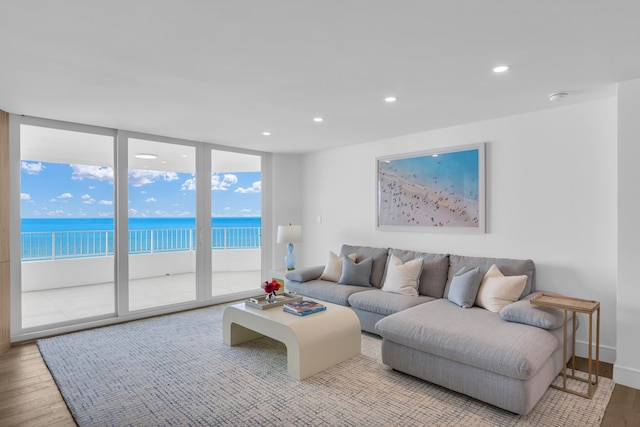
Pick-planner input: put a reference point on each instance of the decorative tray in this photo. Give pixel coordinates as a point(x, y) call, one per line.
point(261, 302)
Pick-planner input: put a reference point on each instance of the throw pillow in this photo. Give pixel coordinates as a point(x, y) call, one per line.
point(403, 278)
point(498, 290)
point(333, 267)
point(357, 274)
point(541, 317)
point(464, 287)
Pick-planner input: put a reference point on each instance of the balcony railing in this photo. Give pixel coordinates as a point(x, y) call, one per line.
point(37, 246)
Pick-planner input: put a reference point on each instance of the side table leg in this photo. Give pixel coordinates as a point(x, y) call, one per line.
point(598, 347)
point(564, 354)
point(573, 344)
point(590, 352)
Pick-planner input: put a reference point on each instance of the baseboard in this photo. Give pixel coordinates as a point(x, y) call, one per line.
point(607, 354)
point(624, 375)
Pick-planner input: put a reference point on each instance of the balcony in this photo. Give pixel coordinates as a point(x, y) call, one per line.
point(69, 275)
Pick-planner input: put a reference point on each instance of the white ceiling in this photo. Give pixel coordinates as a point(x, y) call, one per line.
point(225, 71)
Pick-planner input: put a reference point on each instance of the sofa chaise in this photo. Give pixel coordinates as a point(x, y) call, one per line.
point(464, 323)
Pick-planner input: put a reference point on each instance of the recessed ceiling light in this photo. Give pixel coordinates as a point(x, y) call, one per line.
point(318, 119)
point(146, 156)
point(501, 68)
point(184, 156)
point(266, 133)
point(390, 99)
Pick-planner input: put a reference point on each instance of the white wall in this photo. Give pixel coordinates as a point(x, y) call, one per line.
point(627, 367)
point(551, 197)
point(286, 205)
point(64, 273)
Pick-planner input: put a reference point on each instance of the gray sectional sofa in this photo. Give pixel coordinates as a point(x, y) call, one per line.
point(505, 356)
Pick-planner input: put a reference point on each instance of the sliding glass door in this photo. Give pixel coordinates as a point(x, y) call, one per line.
point(162, 223)
point(236, 222)
point(66, 225)
point(114, 224)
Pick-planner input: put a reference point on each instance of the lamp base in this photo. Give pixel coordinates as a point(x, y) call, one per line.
point(290, 258)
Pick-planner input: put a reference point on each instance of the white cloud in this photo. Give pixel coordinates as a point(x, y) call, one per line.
point(55, 212)
point(85, 196)
point(255, 188)
point(65, 196)
point(228, 208)
point(92, 187)
point(140, 177)
point(25, 196)
point(89, 201)
point(105, 202)
point(32, 168)
point(151, 199)
point(189, 184)
point(100, 173)
point(222, 185)
point(245, 210)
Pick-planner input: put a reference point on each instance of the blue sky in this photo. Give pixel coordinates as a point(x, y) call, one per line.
point(60, 190)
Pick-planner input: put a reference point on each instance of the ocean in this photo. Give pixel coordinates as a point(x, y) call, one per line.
point(34, 225)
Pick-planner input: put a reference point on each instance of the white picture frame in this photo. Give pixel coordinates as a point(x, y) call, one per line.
point(441, 190)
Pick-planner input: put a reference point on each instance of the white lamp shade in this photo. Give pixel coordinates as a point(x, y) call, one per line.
point(289, 233)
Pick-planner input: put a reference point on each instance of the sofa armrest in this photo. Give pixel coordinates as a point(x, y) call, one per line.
point(305, 274)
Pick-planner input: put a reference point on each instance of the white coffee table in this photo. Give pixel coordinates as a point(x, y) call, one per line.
point(314, 342)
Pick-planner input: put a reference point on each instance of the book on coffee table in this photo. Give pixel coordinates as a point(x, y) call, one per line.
point(303, 308)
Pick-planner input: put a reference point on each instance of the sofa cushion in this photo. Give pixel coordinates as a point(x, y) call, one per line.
point(498, 290)
point(325, 291)
point(402, 278)
point(472, 336)
point(434, 271)
point(384, 303)
point(356, 273)
point(379, 256)
point(464, 287)
point(333, 268)
point(524, 312)
point(509, 267)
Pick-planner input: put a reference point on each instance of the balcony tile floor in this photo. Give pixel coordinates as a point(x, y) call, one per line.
point(65, 304)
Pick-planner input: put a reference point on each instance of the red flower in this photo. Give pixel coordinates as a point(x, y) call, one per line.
point(271, 287)
point(268, 287)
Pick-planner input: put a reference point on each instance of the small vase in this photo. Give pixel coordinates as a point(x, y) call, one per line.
point(271, 297)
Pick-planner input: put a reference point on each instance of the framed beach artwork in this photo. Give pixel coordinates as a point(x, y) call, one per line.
point(435, 190)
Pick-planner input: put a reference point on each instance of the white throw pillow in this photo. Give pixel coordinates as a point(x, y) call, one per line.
point(498, 290)
point(333, 267)
point(403, 278)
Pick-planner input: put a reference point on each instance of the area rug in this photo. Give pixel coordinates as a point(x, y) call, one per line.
point(175, 370)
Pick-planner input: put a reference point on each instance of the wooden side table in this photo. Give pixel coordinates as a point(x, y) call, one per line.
point(575, 305)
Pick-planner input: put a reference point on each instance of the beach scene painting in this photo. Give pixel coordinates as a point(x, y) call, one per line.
point(439, 190)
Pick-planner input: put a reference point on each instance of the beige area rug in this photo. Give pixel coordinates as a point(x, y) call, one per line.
point(175, 370)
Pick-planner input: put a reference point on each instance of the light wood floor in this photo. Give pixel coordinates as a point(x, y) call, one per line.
point(30, 397)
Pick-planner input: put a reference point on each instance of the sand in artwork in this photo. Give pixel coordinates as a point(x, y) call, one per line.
point(406, 197)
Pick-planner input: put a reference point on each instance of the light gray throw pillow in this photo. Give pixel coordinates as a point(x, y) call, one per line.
point(464, 287)
point(356, 274)
point(524, 312)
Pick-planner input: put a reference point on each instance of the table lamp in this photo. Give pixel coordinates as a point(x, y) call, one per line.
point(289, 234)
